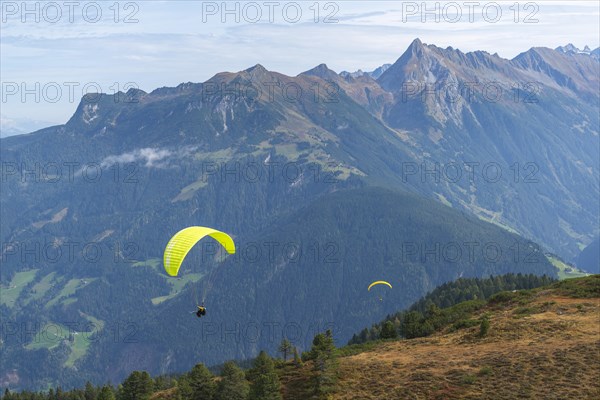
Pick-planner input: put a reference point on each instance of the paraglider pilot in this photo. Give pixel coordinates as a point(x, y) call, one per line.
point(201, 311)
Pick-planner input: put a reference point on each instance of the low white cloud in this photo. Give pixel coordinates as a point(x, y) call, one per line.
point(148, 157)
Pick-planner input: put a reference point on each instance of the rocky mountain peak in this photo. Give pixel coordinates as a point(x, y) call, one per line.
point(323, 72)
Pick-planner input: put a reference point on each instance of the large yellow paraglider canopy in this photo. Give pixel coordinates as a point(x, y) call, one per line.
point(379, 283)
point(183, 241)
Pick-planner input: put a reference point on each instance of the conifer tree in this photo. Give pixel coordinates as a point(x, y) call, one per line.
point(325, 364)
point(233, 384)
point(264, 380)
point(201, 383)
point(388, 331)
point(284, 348)
point(106, 393)
point(137, 386)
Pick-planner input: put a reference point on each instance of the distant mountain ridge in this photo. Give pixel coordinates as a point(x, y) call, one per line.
point(376, 73)
point(570, 48)
point(589, 258)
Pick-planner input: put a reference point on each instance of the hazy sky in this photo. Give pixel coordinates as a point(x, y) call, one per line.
point(57, 50)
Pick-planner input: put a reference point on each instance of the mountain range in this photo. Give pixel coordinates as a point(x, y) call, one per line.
point(444, 164)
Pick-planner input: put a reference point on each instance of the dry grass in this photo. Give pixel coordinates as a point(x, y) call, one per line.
point(169, 394)
point(548, 348)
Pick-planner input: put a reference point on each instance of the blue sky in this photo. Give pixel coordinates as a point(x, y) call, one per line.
point(164, 43)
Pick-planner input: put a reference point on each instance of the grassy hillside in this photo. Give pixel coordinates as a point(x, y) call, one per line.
point(451, 302)
point(566, 271)
point(12, 291)
point(542, 343)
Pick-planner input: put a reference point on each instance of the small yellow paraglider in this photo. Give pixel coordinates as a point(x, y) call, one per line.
point(379, 283)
